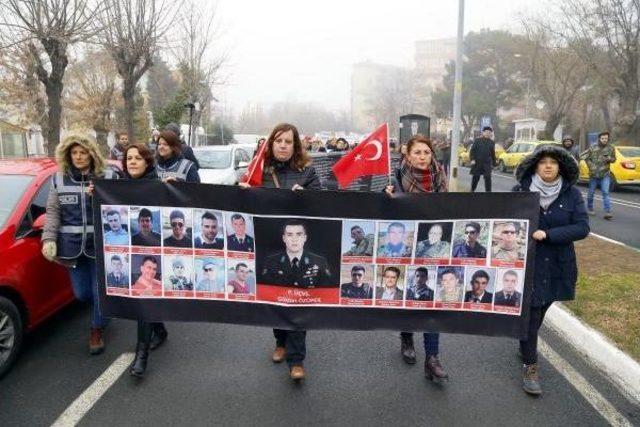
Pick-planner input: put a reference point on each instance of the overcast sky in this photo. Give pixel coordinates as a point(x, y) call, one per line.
point(303, 50)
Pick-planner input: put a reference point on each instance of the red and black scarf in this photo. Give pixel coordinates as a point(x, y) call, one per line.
point(423, 181)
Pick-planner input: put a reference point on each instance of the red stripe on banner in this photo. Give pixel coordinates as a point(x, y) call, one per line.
point(448, 305)
point(117, 291)
point(293, 295)
point(178, 251)
point(210, 295)
point(179, 294)
point(389, 303)
point(357, 259)
point(242, 297)
point(355, 301)
point(146, 293)
point(469, 261)
point(419, 304)
point(146, 250)
point(389, 260)
point(507, 310)
point(210, 252)
point(477, 306)
point(431, 261)
point(111, 248)
point(241, 255)
point(507, 264)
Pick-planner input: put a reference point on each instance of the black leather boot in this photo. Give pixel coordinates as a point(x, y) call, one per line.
point(158, 336)
point(433, 369)
point(406, 348)
point(139, 364)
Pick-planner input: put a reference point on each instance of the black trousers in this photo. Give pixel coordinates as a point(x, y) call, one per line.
point(295, 342)
point(487, 182)
point(529, 348)
point(145, 330)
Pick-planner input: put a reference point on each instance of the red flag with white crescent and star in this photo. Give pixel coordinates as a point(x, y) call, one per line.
point(370, 157)
point(253, 175)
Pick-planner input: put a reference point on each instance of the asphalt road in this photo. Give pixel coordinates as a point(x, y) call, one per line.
point(212, 374)
point(625, 226)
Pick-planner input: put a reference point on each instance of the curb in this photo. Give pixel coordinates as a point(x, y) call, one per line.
point(604, 355)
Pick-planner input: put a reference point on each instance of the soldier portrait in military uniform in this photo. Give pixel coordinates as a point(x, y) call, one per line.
point(509, 288)
point(358, 238)
point(508, 241)
point(178, 272)
point(118, 270)
point(395, 239)
point(299, 258)
point(434, 240)
point(241, 240)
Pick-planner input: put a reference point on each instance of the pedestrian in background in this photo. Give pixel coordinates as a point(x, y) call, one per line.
point(67, 236)
point(171, 164)
point(117, 151)
point(483, 158)
point(551, 171)
point(420, 172)
point(570, 145)
point(138, 164)
point(186, 150)
point(286, 166)
point(598, 158)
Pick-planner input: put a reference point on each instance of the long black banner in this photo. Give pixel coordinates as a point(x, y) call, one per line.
point(450, 262)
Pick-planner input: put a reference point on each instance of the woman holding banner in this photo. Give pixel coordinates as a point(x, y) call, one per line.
point(419, 172)
point(286, 166)
point(551, 171)
point(67, 237)
point(138, 163)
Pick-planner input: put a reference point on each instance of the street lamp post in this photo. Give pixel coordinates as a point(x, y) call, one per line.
point(457, 102)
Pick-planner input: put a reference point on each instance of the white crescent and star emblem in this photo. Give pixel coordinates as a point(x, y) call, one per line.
point(378, 154)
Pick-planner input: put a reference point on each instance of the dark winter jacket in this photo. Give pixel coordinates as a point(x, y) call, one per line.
point(483, 152)
point(564, 222)
point(288, 177)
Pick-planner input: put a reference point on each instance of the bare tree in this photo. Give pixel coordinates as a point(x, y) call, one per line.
point(557, 74)
point(609, 31)
point(132, 31)
point(198, 63)
point(90, 94)
point(48, 27)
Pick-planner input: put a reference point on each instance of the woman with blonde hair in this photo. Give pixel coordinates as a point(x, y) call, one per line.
point(68, 233)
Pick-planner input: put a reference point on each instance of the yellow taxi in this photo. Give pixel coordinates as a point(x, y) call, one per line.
point(511, 158)
point(624, 171)
point(463, 154)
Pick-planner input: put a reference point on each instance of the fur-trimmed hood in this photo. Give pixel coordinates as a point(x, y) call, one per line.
point(63, 153)
point(569, 169)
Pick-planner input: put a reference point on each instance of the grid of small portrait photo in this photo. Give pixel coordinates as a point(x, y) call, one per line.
point(115, 226)
point(117, 272)
point(470, 242)
point(395, 242)
point(241, 280)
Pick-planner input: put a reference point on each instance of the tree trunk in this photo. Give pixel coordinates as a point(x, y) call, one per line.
point(54, 98)
point(627, 125)
point(128, 94)
point(606, 114)
point(101, 138)
point(553, 121)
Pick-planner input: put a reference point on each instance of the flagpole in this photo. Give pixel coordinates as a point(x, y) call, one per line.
point(389, 154)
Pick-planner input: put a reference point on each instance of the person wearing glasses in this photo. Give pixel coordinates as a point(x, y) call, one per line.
point(179, 237)
point(209, 281)
point(469, 247)
point(507, 247)
point(356, 288)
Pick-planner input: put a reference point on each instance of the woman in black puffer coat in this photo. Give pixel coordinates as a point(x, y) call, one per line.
point(551, 171)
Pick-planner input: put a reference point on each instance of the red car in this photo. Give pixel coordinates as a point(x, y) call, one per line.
point(31, 288)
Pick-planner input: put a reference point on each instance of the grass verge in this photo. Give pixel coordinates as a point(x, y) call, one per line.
point(608, 292)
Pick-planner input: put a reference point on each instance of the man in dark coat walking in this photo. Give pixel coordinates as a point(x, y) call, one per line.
point(483, 158)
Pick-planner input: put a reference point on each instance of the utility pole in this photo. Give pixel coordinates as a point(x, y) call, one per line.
point(457, 102)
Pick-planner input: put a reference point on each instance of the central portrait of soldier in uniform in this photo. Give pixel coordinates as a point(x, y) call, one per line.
point(300, 253)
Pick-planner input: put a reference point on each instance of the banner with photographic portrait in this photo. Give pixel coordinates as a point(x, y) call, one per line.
point(450, 262)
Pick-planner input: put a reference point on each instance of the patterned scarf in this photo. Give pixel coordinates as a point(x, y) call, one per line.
point(549, 191)
point(423, 181)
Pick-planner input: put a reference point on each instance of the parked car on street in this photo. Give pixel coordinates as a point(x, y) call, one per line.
point(222, 164)
point(31, 288)
point(510, 159)
point(624, 171)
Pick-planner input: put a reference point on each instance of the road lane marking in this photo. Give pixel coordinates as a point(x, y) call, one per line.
point(79, 408)
point(595, 399)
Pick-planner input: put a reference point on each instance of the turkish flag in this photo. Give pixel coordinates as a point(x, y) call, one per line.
point(253, 175)
point(370, 157)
